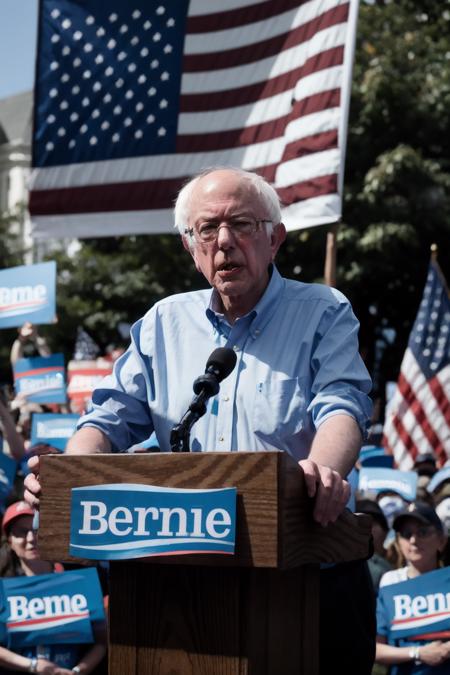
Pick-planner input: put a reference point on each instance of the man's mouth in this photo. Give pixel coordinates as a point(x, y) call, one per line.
point(228, 267)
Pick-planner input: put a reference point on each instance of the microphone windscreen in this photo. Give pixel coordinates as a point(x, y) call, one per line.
point(221, 362)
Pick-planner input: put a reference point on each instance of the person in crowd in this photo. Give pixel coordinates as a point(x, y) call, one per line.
point(299, 384)
point(421, 541)
point(19, 556)
point(13, 440)
point(28, 344)
point(378, 563)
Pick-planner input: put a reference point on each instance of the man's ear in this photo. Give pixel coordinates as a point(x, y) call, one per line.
point(191, 249)
point(277, 236)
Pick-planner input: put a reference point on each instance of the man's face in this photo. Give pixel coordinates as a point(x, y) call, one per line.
point(236, 267)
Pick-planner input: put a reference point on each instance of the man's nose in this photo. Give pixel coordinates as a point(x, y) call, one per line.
point(225, 237)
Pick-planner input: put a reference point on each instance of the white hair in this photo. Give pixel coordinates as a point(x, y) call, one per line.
point(264, 190)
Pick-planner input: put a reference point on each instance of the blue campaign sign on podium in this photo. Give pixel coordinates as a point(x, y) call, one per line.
point(124, 521)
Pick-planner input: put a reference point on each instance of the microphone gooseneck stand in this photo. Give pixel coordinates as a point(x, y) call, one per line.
point(205, 386)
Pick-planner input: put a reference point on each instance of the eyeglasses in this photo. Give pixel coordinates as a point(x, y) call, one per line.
point(208, 231)
point(21, 532)
point(420, 533)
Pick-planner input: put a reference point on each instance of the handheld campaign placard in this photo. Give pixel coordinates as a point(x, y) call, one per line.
point(377, 479)
point(417, 609)
point(42, 378)
point(27, 293)
point(53, 429)
point(123, 521)
point(50, 608)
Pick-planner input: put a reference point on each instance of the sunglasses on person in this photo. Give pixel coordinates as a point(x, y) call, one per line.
point(422, 532)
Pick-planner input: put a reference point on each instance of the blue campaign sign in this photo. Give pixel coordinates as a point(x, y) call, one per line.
point(41, 378)
point(373, 455)
point(53, 429)
point(51, 608)
point(374, 479)
point(418, 608)
point(8, 468)
point(27, 293)
point(122, 521)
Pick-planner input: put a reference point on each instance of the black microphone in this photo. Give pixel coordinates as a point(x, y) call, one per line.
point(218, 367)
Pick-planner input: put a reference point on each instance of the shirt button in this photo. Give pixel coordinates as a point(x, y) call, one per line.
point(257, 331)
point(221, 439)
point(226, 398)
point(236, 348)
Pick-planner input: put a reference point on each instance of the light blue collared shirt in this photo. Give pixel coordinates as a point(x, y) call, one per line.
point(297, 365)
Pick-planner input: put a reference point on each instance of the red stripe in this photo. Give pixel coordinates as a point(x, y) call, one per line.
point(151, 195)
point(412, 403)
point(258, 51)
point(49, 619)
point(442, 455)
point(218, 100)
point(38, 371)
point(257, 133)
point(243, 15)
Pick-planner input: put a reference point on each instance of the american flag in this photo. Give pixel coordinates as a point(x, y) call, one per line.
point(418, 416)
point(132, 98)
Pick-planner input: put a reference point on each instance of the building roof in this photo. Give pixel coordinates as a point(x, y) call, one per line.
point(16, 118)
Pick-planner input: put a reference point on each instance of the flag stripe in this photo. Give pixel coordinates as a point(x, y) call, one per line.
point(197, 102)
point(225, 57)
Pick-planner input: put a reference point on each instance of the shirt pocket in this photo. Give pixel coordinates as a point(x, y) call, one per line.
point(279, 409)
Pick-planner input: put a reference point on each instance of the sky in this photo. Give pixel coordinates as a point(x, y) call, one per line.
point(18, 23)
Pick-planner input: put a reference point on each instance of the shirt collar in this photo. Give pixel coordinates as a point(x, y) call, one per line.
point(261, 312)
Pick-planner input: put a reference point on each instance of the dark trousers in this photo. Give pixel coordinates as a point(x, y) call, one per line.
point(347, 619)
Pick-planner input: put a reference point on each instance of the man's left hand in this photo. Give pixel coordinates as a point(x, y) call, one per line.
point(330, 490)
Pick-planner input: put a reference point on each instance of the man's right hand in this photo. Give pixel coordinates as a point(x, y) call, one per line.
point(32, 485)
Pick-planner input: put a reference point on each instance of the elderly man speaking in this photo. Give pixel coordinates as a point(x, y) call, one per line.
point(299, 384)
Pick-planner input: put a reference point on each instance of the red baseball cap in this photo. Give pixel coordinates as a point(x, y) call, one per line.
point(15, 511)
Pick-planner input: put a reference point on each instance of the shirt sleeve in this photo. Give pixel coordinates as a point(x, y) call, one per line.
point(120, 403)
point(341, 382)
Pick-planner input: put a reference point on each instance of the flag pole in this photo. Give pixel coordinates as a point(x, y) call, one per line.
point(434, 252)
point(330, 257)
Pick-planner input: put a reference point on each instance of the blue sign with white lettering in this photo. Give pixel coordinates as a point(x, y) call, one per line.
point(122, 521)
point(53, 429)
point(50, 608)
point(27, 293)
point(416, 609)
point(374, 479)
point(42, 379)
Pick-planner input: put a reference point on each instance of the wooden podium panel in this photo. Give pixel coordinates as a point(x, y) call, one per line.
point(274, 523)
point(188, 620)
point(255, 612)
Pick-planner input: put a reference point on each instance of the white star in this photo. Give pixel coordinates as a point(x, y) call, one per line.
point(72, 143)
point(111, 44)
point(165, 75)
point(151, 91)
point(51, 119)
point(49, 146)
point(76, 62)
point(97, 86)
point(90, 20)
point(107, 98)
point(138, 133)
point(83, 128)
point(93, 140)
point(136, 14)
point(77, 35)
point(161, 131)
point(129, 94)
point(134, 40)
point(131, 67)
point(54, 65)
point(105, 125)
point(53, 93)
point(55, 13)
point(154, 63)
point(116, 138)
point(65, 51)
point(95, 113)
point(157, 37)
point(109, 71)
point(147, 25)
point(150, 119)
point(163, 103)
point(75, 90)
point(123, 29)
point(87, 74)
point(85, 102)
point(113, 18)
point(142, 79)
point(66, 24)
point(74, 116)
point(170, 23)
point(139, 106)
point(160, 10)
point(61, 132)
point(127, 121)
point(88, 47)
point(65, 77)
point(168, 49)
point(144, 51)
point(100, 32)
point(55, 38)
point(63, 105)
point(99, 58)
point(117, 110)
point(119, 83)
point(121, 56)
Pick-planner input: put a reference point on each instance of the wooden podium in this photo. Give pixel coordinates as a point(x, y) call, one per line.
point(255, 612)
